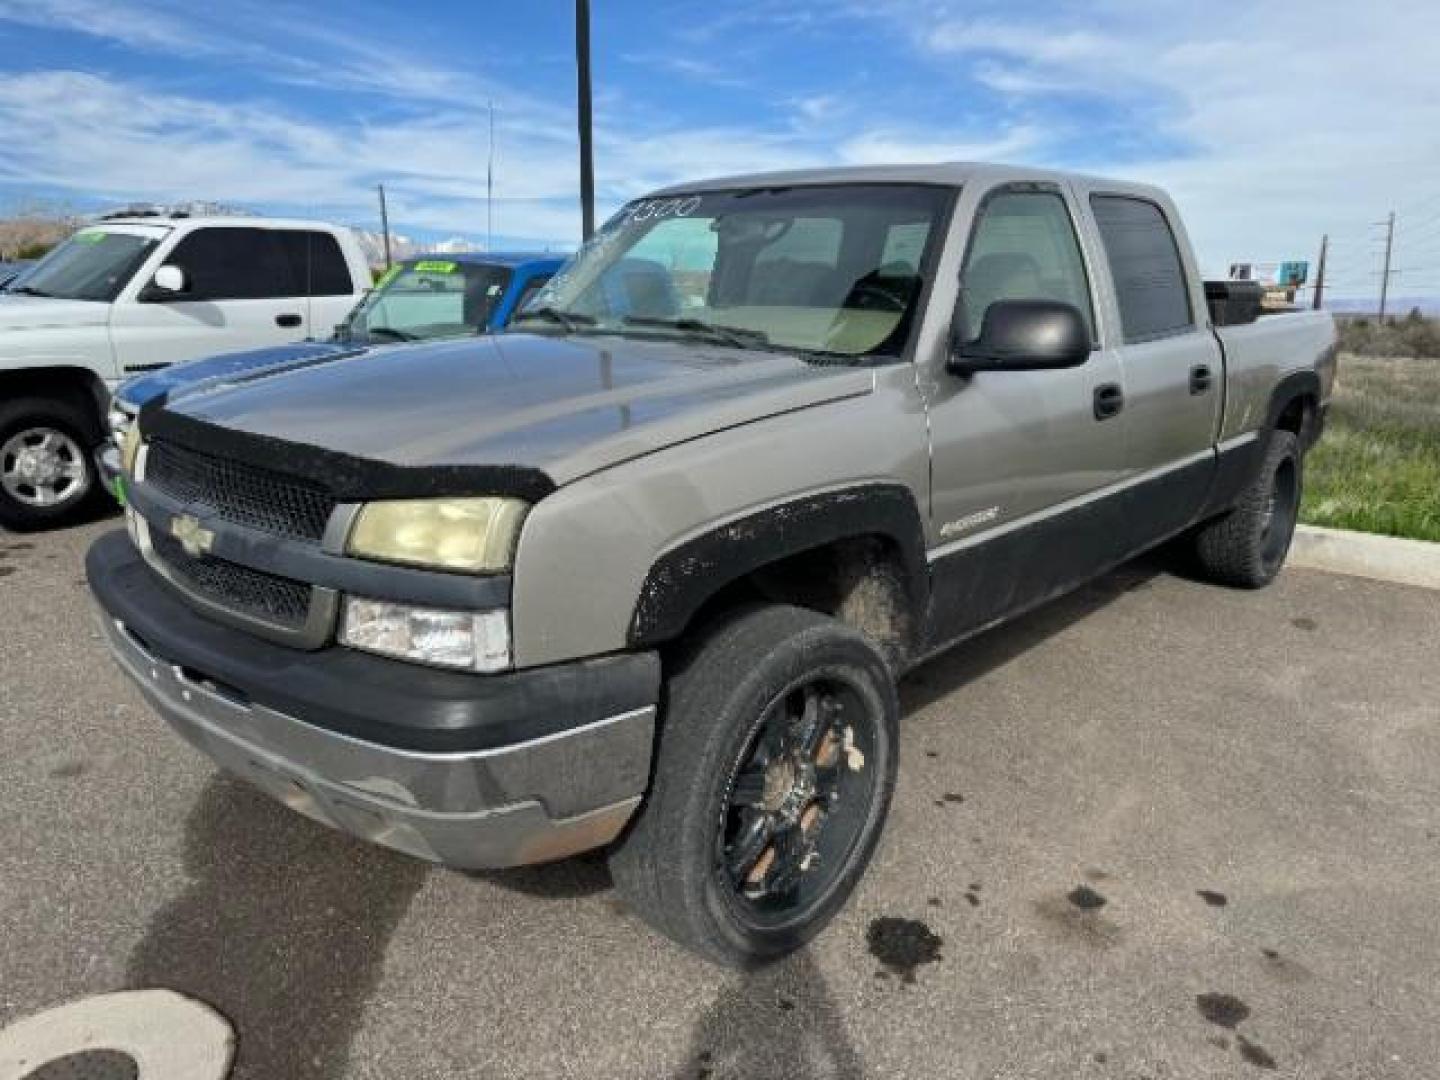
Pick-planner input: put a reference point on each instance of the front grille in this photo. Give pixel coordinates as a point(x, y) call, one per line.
point(274, 599)
point(242, 494)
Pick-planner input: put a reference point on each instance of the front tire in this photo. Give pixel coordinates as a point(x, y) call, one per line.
point(776, 761)
point(1247, 546)
point(47, 473)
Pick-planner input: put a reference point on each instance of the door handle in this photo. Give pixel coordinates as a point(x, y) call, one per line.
point(288, 318)
point(1200, 379)
point(1109, 400)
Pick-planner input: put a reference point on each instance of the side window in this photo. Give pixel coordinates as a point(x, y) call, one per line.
point(1023, 247)
point(1145, 266)
point(316, 263)
point(234, 264)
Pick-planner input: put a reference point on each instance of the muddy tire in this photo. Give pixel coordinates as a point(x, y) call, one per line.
point(47, 469)
point(774, 768)
point(1247, 546)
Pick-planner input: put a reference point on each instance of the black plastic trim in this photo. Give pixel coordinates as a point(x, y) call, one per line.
point(388, 702)
point(995, 580)
point(686, 576)
point(348, 478)
point(307, 562)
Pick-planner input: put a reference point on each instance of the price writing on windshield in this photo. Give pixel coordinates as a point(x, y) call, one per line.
point(656, 209)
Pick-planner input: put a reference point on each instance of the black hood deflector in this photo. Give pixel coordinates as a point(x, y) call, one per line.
point(348, 478)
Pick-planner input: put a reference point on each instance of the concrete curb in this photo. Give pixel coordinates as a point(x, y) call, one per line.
point(1383, 558)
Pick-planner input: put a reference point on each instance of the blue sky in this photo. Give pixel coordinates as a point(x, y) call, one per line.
point(1270, 126)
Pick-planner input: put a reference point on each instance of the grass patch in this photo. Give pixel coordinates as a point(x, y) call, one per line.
point(1377, 469)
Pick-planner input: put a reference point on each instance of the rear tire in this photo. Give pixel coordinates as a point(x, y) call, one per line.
point(775, 765)
point(47, 469)
point(1246, 547)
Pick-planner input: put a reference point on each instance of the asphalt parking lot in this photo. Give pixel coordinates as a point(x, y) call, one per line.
point(1157, 829)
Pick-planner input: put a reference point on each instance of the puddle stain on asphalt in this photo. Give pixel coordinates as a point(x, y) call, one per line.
point(1304, 623)
point(1077, 913)
point(1226, 1010)
point(902, 945)
point(67, 770)
point(1255, 1055)
point(283, 928)
point(1086, 898)
point(972, 894)
point(777, 1020)
point(1214, 899)
point(6, 571)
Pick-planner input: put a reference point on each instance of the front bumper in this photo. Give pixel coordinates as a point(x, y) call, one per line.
point(484, 805)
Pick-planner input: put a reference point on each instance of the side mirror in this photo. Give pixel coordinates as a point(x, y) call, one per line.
point(1024, 335)
point(170, 279)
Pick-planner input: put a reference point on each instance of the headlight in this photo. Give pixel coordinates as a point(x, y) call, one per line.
point(130, 448)
point(476, 640)
point(474, 535)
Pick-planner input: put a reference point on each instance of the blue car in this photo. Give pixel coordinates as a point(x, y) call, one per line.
point(421, 299)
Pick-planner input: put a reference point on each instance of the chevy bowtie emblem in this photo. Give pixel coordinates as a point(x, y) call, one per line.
point(193, 537)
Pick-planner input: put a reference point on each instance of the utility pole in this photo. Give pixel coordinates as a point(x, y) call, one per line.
point(384, 224)
point(1320, 274)
point(1385, 277)
point(587, 161)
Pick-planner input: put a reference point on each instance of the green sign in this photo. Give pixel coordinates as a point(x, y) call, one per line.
point(434, 266)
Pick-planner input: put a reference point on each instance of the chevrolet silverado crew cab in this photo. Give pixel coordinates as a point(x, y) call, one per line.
point(643, 570)
point(134, 294)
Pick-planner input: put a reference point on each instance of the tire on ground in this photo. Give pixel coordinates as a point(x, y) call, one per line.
point(1246, 547)
point(666, 866)
point(78, 423)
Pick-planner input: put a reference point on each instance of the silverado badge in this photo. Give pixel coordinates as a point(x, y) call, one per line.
point(193, 537)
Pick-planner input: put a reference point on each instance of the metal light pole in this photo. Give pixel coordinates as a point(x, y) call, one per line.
point(587, 159)
point(1385, 276)
point(1320, 276)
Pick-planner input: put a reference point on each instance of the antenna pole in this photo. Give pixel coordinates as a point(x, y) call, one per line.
point(384, 224)
point(490, 186)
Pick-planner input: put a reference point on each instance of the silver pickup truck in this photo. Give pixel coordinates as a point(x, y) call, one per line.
point(643, 571)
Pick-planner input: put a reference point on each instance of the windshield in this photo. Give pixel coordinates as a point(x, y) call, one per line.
point(429, 298)
point(91, 265)
point(834, 270)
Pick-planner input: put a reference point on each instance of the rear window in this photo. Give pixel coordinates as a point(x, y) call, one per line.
point(1145, 266)
point(316, 263)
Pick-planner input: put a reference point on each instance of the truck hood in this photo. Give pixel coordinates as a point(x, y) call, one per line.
point(215, 371)
point(567, 406)
point(20, 312)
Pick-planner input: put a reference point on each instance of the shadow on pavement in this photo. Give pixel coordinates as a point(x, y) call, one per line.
point(777, 1020)
point(283, 928)
point(993, 648)
point(578, 876)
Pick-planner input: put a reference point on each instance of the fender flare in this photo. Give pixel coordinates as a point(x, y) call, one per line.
point(1297, 384)
point(685, 576)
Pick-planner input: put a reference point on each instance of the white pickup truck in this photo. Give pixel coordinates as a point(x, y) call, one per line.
point(133, 294)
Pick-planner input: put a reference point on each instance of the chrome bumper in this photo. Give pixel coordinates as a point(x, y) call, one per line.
point(526, 803)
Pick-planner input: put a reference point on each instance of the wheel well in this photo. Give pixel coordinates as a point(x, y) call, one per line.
point(1296, 417)
point(859, 580)
point(76, 384)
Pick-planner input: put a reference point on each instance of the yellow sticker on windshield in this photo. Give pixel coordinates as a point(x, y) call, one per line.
point(433, 266)
point(89, 237)
point(389, 276)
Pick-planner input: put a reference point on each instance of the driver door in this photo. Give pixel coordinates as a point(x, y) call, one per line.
point(1021, 459)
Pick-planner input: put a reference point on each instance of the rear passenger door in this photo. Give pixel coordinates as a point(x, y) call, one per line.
point(1172, 365)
